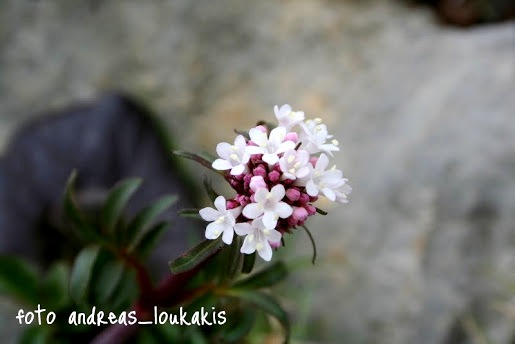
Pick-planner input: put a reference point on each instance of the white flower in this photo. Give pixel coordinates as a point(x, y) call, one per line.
point(271, 146)
point(327, 182)
point(342, 192)
point(268, 204)
point(288, 118)
point(223, 220)
point(314, 136)
point(294, 164)
point(257, 238)
point(233, 157)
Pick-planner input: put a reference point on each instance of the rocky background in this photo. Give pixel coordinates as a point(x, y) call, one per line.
point(425, 251)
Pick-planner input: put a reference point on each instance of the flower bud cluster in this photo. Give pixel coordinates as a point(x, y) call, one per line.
point(277, 176)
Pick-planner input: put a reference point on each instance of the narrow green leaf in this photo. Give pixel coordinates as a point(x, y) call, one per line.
point(266, 303)
point(195, 256)
point(240, 326)
point(18, 279)
point(212, 194)
point(320, 211)
point(191, 213)
point(248, 263)
point(54, 289)
point(149, 239)
point(264, 278)
point(80, 278)
point(197, 158)
point(116, 202)
point(312, 244)
point(145, 217)
point(108, 279)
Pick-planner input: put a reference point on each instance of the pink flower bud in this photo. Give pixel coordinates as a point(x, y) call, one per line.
point(310, 209)
point(291, 136)
point(304, 198)
point(257, 182)
point(293, 194)
point(262, 128)
point(259, 171)
point(275, 244)
point(231, 204)
point(300, 214)
point(313, 160)
point(274, 176)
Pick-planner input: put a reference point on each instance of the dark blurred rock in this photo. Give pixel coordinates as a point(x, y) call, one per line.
point(105, 141)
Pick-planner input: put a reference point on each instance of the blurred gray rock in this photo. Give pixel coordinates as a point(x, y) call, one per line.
point(425, 251)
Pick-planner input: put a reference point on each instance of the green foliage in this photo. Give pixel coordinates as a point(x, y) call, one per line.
point(195, 256)
point(19, 280)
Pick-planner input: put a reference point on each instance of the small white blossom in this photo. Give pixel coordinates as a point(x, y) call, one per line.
point(295, 164)
point(233, 157)
point(327, 182)
point(270, 146)
point(342, 192)
point(314, 136)
point(257, 238)
point(223, 220)
point(288, 118)
point(268, 204)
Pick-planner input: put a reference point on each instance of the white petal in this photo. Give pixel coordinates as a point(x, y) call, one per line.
point(283, 210)
point(270, 158)
point(260, 195)
point(223, 149)
point(266, 251)
point(249, 246)
point(221, 165)
point(252, 210)
point(213, 230)
point(285, 146)
point(240, 142)
point(311, 188)
point(209, 214)
point(277, 135)
point(269, 219)
point(220, 204)
point(302, 156)
point(303, 172)
point(278, 192)
point(235, 212)
point(254, 150)
point(322, 162)
point(237, 170)
point(274, 236)
point(243, 228)
point(257, 136)
point(330, 194)
point(228, 235)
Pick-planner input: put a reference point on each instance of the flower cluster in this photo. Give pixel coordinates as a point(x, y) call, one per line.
point(277, 174)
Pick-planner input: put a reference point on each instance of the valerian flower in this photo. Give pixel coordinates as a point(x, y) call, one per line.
point(294, 164)
point(223, 220)
point(270, 205)
point(288, 118)
point(233, 157)
point(270, 146)
point(325, 181)
point(257, 238)
point(314, 137)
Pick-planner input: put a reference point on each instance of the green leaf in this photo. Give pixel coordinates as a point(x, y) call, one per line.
point(18, 279)
point(209, 189)
point(109, 277)
point(54, 289)
point(264, 278)
point(195, 256)
point(197, 158)
point(241, 325)
point(80, 278)
point(145, 217)
point(312, 244)
point(149, 239)
point(264, 302)
point(248, 263)
point(191, 213)
point(84, 230)
point(244, 133)
point(116, 202)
